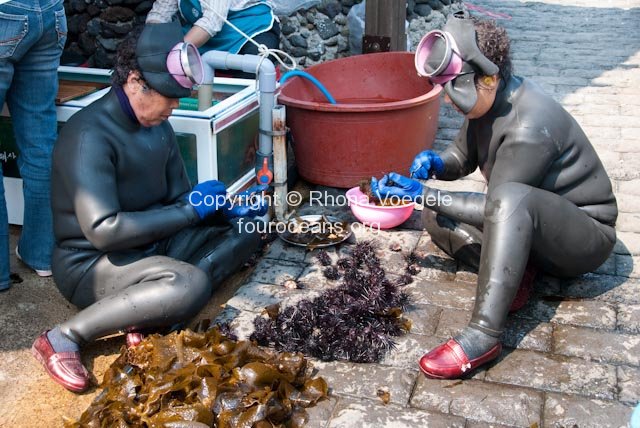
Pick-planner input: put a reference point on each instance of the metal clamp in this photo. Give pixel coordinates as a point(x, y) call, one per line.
point(273, 133)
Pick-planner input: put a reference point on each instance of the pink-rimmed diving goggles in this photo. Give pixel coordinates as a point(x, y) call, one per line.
point(185, 65)
point(438, 57)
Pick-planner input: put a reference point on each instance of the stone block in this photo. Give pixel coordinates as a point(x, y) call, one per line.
point(572, 411)
point(631, 110)
point(312, 278)
point(628, 384)
point(409, 349)
point(628, 203)
point(481, 401)
point(276, 272)
point(591, 118)
point(597, 345)
point(280, 250)
point(241, 322)
point(388, 242)
point(554, 373)
point(629, 134)
point(446, 294)
point(628, 266)
point(629, 318)
point(435, 265)
point(628, 222)
point(394, 262)
point(631, 242)
point(367, 414)
point(478, 424)
point(424, 318)
point(364, 380)
point(584, 313)
point(602, 132)
point(319, 415)
point(626, 146)
point(452, 321)
point(117, 13)
point(466, 274)
point(255, 296)
point(614, 289)
point(527, 334)
point(629, 187)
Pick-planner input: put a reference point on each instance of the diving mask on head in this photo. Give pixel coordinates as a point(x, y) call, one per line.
point(451, 57)
point(168, 65)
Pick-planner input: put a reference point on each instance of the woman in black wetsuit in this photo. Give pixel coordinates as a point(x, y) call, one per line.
point(549, 204)
point(136, 246)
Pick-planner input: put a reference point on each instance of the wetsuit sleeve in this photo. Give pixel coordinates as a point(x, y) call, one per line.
point(524, 156)
point(460, 158)
point(177, 180)
point(92, 181)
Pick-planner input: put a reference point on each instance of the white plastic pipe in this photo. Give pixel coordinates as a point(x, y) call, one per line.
point(219, 60)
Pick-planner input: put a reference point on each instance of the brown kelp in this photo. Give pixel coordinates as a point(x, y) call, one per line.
point(354, 321)
point(187, 379)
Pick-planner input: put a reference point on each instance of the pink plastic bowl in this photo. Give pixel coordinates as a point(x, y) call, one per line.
point(374, 215)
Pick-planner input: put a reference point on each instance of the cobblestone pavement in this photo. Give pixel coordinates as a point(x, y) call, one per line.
point(573, 353)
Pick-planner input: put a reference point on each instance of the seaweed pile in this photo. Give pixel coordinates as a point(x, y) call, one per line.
point(354, 321)
point(190, 379)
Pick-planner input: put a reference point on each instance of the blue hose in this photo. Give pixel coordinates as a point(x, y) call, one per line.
point(312, 79)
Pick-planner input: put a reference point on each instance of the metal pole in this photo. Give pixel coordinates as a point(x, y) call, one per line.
point(280, 162)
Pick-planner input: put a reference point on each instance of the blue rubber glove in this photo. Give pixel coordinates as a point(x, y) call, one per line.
point(247, 203)
point(207, 197)
point(402, 187)
point(426, 165)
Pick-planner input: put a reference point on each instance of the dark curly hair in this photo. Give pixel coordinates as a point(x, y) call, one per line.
point(494, 43)
point(126, 61)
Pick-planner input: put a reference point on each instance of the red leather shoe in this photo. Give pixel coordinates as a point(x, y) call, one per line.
point(448, 361)
point(133, 339)
point(526, 287)
point(64, 368)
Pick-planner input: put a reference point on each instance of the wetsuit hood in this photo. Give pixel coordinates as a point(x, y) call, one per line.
point(156, 44)
point(451, 57)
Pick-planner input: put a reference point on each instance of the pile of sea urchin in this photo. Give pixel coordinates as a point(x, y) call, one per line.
point(355, 321)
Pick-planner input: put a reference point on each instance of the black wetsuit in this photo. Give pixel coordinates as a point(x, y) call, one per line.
point(128, 249)
point(549, 199)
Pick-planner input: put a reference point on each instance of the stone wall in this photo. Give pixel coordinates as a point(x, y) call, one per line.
point(311, 36)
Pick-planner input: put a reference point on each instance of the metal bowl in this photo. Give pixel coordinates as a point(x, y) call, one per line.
point(320, 229)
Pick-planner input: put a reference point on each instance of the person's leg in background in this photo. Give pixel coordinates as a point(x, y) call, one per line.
point(31, 102)
point(5, 281)
point(12, 23)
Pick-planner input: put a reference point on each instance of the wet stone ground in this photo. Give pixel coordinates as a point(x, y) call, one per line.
point(571, 355)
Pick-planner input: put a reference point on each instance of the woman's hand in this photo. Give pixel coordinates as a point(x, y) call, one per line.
point(197, 36)
point(396, 186)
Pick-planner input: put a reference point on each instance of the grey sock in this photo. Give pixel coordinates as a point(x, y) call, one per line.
point(474, 342)
point(60, 342)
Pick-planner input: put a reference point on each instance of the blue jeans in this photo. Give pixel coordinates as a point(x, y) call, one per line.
point(32, 36)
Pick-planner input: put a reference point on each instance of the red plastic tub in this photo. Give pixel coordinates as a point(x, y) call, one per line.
point(386, 114)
